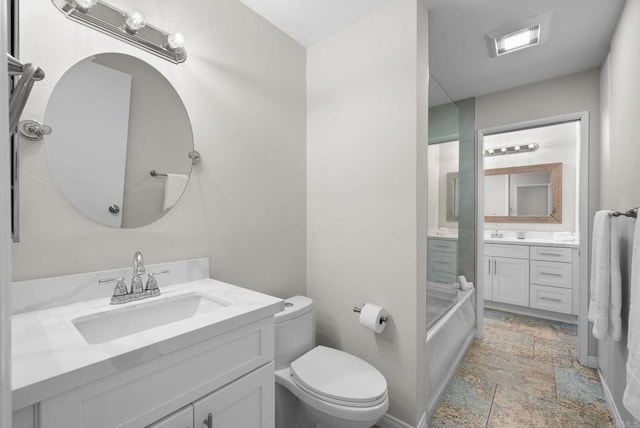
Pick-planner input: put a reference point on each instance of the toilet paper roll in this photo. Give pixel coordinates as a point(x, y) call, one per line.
point(371, 317)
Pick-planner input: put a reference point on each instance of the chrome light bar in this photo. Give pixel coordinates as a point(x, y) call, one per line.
point(129, 27)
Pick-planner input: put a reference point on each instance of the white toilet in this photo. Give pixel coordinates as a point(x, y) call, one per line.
point(325, 387)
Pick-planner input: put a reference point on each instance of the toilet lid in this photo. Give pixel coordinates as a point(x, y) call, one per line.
point(339, 377)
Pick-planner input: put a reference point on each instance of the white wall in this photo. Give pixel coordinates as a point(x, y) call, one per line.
point(366, 169)
point(620, 187)
point(568, 94)
point(243, 86)
point(5, 238)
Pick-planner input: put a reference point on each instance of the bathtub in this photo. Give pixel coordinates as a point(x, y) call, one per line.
point(451, 327)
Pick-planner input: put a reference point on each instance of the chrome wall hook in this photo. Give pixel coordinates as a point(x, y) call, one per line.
point(32, 130)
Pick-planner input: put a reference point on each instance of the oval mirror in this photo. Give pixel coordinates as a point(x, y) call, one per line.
point(121, 140)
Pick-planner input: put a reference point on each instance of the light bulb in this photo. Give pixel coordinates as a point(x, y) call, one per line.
point(135, 21)
point(490, 151)
point(503, 150)
point(516, 148)
point(175, 41)
point(531, 146)
point(86, 4)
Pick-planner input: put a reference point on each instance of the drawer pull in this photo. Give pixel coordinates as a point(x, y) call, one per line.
point(442, 246)
point(550, 274)
point(441, 262)
point(551, 300)
point(209, 421)
point(551, 254)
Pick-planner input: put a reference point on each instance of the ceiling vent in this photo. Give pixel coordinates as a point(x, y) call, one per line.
point(520, 35)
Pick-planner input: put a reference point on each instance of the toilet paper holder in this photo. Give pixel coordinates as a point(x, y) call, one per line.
point(358, 310)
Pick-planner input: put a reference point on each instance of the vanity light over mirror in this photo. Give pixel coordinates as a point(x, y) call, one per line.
point(116, 119)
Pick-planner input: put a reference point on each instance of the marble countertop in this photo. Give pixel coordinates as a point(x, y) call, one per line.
point(50, 357)
point(532, 241)
point(443, 237)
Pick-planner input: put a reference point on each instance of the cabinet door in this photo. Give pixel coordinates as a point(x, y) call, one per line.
point(247, 402)
point(183, 418)
point(488, 279)
point(511, 281)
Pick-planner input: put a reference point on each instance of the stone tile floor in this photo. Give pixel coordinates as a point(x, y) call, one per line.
point(524, 373)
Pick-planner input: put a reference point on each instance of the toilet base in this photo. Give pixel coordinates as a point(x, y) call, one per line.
point(311, 418)
point(293, 413)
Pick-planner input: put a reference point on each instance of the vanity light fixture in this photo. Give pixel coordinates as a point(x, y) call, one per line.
point(509, 150)
point(130, 27)
point(135, 21)
point(518, 36)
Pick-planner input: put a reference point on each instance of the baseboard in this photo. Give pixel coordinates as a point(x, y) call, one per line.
point(423, 421)
point(615, 414)
point(592, 362)
point(389, 421)
point(532, 312)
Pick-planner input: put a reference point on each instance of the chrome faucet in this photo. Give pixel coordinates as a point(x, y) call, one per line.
point(138, 269)
point(138, 291)
point(497, 234)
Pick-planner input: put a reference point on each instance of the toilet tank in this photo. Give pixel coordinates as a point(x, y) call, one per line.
point(294, 330)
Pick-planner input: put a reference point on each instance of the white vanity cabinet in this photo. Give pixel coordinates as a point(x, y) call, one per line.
point(183, 418)
point(540, 277)
point(247, 402)
point(551, 279)
point(442, 260)
point(507, 274)
point(230, 375)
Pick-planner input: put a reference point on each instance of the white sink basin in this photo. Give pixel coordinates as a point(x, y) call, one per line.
point(109, 325)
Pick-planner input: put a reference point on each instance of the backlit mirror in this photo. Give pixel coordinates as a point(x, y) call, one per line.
point(115, 119)
point(524, 194)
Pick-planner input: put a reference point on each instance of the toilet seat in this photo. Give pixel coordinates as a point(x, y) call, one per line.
point(339, 378)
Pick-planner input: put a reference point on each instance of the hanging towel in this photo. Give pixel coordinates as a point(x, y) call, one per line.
point(631, 397)
point(173, 188)
point(615, 292)
point(600, 275)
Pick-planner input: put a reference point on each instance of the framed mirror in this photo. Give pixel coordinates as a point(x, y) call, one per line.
point(524, 194)
point(115, 119)
point(453, 190)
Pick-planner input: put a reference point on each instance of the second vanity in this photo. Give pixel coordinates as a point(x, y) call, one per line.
point(199, 355)
point(537, 274)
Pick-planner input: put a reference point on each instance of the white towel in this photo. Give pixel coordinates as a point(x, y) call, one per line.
point(600, 275)
point(174, 185)
point(615, 292)
point(631, 397)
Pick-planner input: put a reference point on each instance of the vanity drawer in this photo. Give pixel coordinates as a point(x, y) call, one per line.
point(552, 254)
point(443, 262)
point(510, 251)
point(442, 245)
point(553, 274)
point(183, 418)
point(441, 277)
point(550, 298)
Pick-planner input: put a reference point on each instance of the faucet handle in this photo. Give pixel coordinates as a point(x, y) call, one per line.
point(121, 287)
point(152, 284)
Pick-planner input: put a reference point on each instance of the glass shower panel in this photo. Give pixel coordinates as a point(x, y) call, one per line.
point(443, 188)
